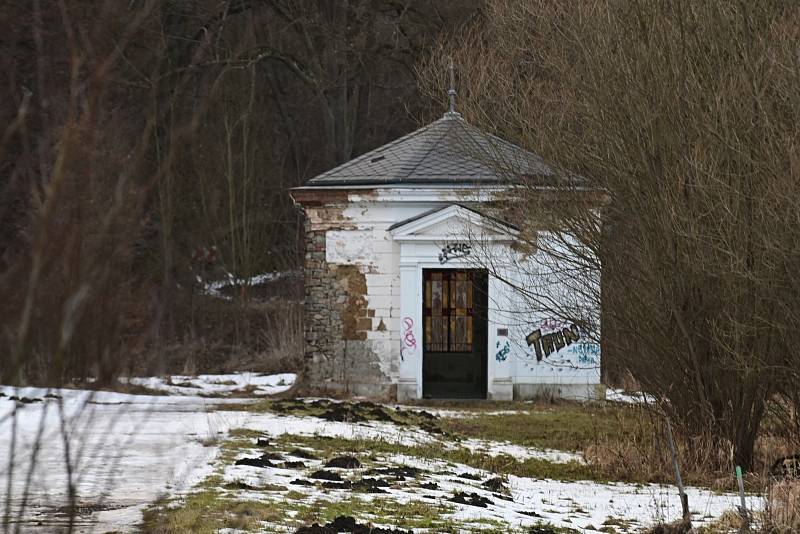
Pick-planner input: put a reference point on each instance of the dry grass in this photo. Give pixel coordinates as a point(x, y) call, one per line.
point(225, 337)
point(643, 455)
point(782, 514)
point(208, 512)
point(284, 337)
point(562, 425)
point(623, 442)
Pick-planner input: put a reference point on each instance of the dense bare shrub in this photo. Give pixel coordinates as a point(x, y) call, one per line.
point(686, 115)
point(782, 512)
point(71, 164)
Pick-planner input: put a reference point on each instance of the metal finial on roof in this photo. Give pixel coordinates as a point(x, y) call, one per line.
point(451, 93)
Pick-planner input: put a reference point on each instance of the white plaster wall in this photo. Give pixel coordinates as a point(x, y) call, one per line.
point(396, 332)
point(368, 245)
point(576, 363)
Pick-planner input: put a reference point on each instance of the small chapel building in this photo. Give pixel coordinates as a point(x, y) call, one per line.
point(401, 301)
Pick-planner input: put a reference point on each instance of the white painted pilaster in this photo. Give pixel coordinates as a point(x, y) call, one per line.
point(410, 383)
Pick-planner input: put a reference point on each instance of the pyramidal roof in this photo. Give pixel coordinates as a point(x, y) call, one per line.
point(445, 152)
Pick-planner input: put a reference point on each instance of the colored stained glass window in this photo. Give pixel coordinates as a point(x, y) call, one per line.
point(448, 310)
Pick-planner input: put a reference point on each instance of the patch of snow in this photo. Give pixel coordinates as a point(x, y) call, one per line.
point(130, 449)
point(582, 505)
point(458, 414)
point(520, 452)
point(213, 288)
point(277, 425)
point(496, 448)
point(620, 395)
point(126, 450)
point(204, 385)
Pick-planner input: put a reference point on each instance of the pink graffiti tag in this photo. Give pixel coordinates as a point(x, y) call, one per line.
point(409, 345)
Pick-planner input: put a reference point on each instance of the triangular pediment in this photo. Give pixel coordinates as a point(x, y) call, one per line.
point(453, 222)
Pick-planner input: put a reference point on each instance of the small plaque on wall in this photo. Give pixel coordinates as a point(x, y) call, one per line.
point(502, 332)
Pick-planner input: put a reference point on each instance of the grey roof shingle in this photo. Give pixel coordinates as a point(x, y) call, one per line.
point(446, 151)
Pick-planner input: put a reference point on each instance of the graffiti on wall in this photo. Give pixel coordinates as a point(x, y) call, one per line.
point(453, 251)
point(408, 344)
point(502, 352)
point(586, 352)
point(554, 336)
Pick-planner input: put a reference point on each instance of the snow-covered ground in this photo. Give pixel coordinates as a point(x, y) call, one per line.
point(128, 450)
point(207, 385)
point(526, 502)
point(125, 451)
point(496, 448)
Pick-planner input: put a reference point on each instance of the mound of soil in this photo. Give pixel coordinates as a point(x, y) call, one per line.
point(415, 413)
point(376, 412)
point(532, 514)
point(346, 484)
point(239, 485)
point(24, 400)
point(301, 482)
point(429, 486)
point(325, 475)
point(432, 427)
point(377, 482)
point(349, 525)
point(289, 405)
point(495, 484)
point(344, 462)
point(469, 476)
point(255, 462)
point(343, 413)
point(399, 473)
point(371, 485)
point(359, 412)
point(300, 453)
point(472, 499)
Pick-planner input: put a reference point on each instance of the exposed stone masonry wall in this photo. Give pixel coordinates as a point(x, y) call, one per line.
point(339, 357)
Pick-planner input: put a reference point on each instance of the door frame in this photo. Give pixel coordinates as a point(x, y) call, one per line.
point(481, 342)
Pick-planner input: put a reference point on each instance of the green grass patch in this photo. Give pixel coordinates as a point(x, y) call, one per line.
point(206, 512)
point(564, 426)
point(569, 426)
point(501, 464)
point(215, 505)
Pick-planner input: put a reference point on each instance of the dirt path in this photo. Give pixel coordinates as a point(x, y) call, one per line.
point(126, 451)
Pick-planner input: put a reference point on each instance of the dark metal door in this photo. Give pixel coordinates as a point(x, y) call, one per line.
point(454, 306)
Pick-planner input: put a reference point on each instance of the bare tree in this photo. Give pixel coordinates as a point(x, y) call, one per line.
point(685, 115)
